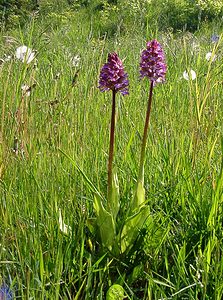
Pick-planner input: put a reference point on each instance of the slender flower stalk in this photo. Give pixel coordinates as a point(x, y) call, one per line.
point(145, 133)
point(111, 146)
point(114, 78)
point(152, 66)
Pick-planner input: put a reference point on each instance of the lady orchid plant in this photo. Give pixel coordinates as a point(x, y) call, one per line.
point(114, 78)
point(118, 235)
point(120, 238)
point(153, 67)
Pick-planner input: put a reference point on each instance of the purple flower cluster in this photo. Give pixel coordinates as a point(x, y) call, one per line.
point(152, 64)
point(5, 293)
point(113, 76)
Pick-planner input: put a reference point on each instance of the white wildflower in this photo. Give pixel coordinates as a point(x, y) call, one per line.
point(210, 56)
point(26, 90)
point(191, 75)
point(75, 60)
point(63, 227)
point(25, 54)
point(5, 59)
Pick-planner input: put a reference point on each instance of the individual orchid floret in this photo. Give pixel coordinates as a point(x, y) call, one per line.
point(113, 76)
point(152, 64)
point(25, 54)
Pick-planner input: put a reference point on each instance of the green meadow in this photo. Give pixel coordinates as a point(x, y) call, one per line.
point(54, 144)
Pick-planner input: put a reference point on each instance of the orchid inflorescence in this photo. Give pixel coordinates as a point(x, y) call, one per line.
point(152, 64)
point(113, 76)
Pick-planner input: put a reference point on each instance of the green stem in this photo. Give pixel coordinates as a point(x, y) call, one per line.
point(111, 147)
point(143, 147)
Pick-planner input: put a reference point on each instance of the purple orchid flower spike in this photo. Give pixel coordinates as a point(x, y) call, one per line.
point(152, 64)
point(113, 76)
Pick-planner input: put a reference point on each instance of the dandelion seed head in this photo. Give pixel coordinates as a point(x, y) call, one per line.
point(25, 54)
point(191, 75)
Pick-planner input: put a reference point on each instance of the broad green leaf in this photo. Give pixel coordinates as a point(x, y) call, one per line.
point(91, 225)
point(132, 227)
point(136, 273)
point(105, 223)
point(115, 292)
point(139, 196)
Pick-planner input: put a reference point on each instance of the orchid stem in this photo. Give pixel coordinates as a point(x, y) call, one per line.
point(144, 140)
point(111, 147)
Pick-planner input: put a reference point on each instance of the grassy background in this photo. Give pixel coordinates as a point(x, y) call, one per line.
point(182, 258)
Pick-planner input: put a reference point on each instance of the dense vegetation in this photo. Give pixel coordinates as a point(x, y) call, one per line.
point(176, 14)
point(55, 122)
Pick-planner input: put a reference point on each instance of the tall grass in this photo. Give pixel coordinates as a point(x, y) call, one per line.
point(182, 257)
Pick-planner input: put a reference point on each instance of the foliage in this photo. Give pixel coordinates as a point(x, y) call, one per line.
point(210, 8)
point(187, 14)
point(181, 253)
point(16, 12)
point(113, 16)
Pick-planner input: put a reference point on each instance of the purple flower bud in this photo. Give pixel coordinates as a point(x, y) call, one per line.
point(152, 64)
point(112, 76)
